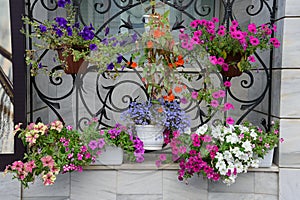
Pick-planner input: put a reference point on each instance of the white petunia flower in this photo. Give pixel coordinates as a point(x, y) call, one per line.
point(228, 156)
point(202, 129)
point(243, 129)
point(255, 163)
point(233, 138)
point(253, 134)
point(247, 145)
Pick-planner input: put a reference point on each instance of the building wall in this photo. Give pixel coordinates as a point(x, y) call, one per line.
point(149, 184)
point(289, 154)
point(267, 184)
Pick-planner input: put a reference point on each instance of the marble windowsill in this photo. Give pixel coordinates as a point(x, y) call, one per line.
point(152, 166)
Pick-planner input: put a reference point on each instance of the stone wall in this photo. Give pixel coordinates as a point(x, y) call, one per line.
point(127, 183)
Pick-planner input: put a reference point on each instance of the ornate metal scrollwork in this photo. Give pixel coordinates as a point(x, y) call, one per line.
point(104, 93)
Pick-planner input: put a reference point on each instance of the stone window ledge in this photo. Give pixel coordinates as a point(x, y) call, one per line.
point(152, 166)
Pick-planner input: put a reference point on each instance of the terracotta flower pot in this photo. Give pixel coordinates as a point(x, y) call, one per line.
point(233, 70)
point(72, 67)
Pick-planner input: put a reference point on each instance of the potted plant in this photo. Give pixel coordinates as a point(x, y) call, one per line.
point(230, 49)
point(75, 44)
point(50, 150)
point(220, 153)
point(108, 145)
point(152, 118)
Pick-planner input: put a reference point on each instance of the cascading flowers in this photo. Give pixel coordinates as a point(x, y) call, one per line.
point(51, 149)
point(229, 47)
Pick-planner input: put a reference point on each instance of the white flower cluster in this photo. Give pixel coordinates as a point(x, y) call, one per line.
point(235, 153)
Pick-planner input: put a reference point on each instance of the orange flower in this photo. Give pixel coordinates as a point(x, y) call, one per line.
point(157, 33)
point(170, 97)
point(150, 44)
point(132, 64)
point(170, 65)
point(160, 110)
point(178, 89)
point(179, 61)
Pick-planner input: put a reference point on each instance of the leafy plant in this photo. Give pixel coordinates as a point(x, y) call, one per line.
point(51, 149)
point(229, 47)
point(118, 136)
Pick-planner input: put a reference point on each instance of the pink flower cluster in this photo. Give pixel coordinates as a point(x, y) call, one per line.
point(22, 169)
point(220, 42)
point(194, 162)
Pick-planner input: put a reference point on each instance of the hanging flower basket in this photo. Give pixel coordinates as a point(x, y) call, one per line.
point(71, 66)
point(233, 69)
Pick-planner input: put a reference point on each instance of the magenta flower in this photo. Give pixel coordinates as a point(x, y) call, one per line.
point(230, 120)
point(213, 60)
point(235, 23)
point(227, 84)
point(251, 59)
point(198, 33)
point(17, 165)
point(281, 140)
point(216, 95)
point(222, 93)
point(162, 157)
point(93, 144)
point(158, 163)
point(221, 32)
point(194, 24)
point(215, 20)
point(220, 61)
point(214, 103)
point(225, 67)
point(194, 95)
point(252, 28)
point(228, 106)
point(101, 143)
point(254, 41)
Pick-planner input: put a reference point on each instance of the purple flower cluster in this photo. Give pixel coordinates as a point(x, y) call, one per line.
point(62, 3)
point(175, 117)
point(140, 113)
point(87, 33)
point(139, 149)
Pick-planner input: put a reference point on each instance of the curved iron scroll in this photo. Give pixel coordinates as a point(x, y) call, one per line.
point(104, 89)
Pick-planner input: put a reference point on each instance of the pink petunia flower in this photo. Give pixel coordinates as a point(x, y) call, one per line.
point(162, 157)
point(29, 166)
point(228, 106)
point(230, 120)
point(227, 84)
point(213, 60)
point(222, 93)
point(47, 161)
point(158, 163)
point(214, 103)
point(225, 67)
point(215, 95)
point(252, 28)
point(194, 95)
point(251, 59)
point(254, 41)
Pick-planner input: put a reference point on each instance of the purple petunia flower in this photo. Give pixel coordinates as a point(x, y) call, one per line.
point(76, 25)
point(106, 31)
point(59, 33)
point(69, 31)
point(93, 47)
point(62, 22)
point(93, 144)
point(87, 33)
point(119, 59)
point(134, 37)
point(43, 28)
point(62, 3)
point(110, 66)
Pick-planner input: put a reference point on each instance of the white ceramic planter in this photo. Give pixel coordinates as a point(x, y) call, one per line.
point(110, 156)
point(151, 135)
point(267, 160)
